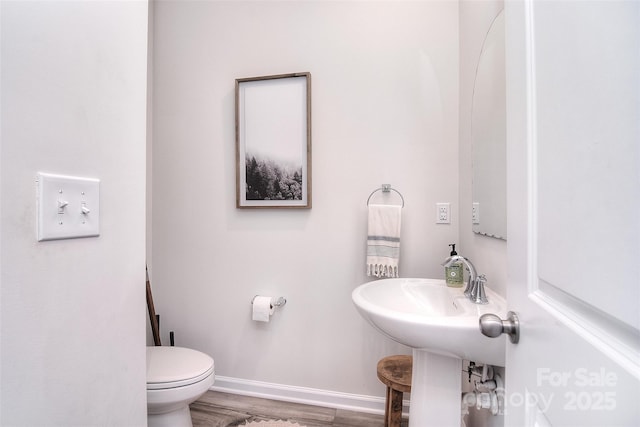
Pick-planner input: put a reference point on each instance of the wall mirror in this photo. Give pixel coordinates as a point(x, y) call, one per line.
point(488, 136)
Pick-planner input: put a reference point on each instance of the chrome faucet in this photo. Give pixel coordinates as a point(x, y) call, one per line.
point(478, 294)
point(475, 285)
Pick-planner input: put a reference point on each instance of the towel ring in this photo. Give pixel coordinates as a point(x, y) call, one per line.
point(385, 189)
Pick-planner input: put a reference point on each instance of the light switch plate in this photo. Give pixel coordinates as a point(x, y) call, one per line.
point(68, 207)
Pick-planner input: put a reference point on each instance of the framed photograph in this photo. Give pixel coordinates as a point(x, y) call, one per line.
point(273, 141)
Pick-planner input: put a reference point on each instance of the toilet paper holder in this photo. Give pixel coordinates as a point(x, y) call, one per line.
point(275, 302)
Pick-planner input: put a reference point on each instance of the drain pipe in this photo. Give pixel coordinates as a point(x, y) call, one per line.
point(487, 394)
point(481, 400)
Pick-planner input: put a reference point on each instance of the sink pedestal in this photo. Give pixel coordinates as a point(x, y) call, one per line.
point(435, 390)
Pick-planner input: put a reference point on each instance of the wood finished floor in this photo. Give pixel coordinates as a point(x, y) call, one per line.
point(216, 409)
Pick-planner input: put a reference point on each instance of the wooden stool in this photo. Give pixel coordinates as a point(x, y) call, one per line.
point(395, 373)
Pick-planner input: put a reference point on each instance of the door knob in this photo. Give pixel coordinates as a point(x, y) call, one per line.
point(492, 326)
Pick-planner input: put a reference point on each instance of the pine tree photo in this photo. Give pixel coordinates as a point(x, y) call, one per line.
point(269, 180)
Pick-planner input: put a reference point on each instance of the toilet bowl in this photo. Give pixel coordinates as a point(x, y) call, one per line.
point(176, 377)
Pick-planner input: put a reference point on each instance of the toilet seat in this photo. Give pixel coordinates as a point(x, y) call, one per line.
point(172, 367)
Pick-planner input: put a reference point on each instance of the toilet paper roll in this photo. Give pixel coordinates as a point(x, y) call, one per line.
point(262, 308)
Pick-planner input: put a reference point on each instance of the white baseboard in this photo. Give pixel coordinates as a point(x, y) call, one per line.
point(309, 396)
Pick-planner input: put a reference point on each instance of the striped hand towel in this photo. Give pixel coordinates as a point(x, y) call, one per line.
point(383, 240)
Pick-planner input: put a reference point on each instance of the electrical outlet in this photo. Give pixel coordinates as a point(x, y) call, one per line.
point(443, 213)
point(475, 213)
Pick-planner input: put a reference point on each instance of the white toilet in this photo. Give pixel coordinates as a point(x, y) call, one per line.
point(176, 377)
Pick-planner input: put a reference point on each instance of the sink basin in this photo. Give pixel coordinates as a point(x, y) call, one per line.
point(426, 314)
point(441, 325)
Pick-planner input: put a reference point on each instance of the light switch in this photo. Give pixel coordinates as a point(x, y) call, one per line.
point(68, 207)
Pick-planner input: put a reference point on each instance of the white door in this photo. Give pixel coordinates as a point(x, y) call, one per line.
point(573, 132)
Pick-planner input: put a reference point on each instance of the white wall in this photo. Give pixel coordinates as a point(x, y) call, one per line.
point(385, 110)
point(73, 102)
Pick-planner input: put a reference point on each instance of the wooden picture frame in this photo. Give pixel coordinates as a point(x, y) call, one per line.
point(273, 141)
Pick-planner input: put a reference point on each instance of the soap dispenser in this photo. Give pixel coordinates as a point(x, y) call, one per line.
point(454, 274)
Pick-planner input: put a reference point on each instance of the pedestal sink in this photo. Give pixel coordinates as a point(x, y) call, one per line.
point(441, 325)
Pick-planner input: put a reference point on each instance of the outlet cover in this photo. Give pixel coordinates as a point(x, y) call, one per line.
point(475, 213)
point(443, 213)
